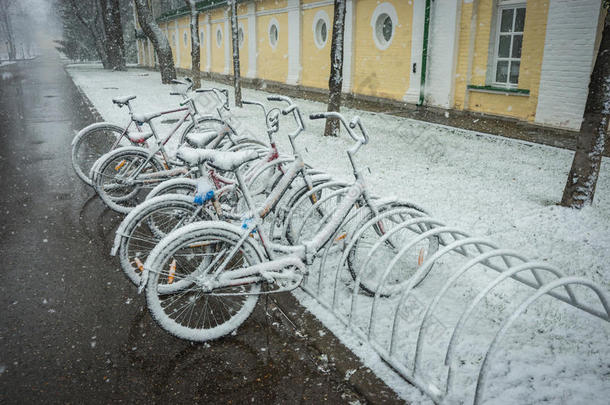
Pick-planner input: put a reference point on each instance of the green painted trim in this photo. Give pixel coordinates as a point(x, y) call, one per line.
point(499, 89)
point(424, 56)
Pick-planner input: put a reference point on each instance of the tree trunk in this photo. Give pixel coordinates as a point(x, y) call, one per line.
point(235, 42)
point(158, 39)
point(580, 187)
point(195, 47)
point(335, 81)
point(113, 34)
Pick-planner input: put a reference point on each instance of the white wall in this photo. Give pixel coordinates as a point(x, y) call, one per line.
point(567, 62)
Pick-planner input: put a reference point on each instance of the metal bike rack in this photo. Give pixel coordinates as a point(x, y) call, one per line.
point(389, 337)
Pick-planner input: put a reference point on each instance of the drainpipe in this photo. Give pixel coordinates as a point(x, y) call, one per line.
point(424, 55)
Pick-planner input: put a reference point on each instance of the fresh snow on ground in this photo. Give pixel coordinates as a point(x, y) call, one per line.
point(489, 186)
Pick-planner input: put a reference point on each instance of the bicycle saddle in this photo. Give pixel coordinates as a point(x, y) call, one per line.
point(121, 101)
point(201, 139)
point(139, 137)
point(145, 117)
point(218, 159)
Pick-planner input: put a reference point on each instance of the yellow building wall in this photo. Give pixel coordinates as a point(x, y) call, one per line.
point(218, 52)
point(382, 73)
point(315, 61)
point(511, 105)
point(185, 49)
point(272, 63)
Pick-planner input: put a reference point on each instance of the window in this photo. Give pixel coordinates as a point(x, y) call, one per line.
point(509, 40)
point(218, 37)
point(186, 39)
point(384, 23)
point(274, 32)
point(321, 24)
point(174, 39)
point(201, 37)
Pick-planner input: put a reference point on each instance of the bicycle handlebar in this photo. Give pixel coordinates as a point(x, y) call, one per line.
point(292, 108)
point(355, 122)
point(217, 92)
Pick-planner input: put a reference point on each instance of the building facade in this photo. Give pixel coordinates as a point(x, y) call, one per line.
point(526, 59)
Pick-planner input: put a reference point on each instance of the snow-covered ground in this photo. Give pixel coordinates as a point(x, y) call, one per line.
point(503, 189)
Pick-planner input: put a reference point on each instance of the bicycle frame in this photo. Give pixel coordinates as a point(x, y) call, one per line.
point(304, 252)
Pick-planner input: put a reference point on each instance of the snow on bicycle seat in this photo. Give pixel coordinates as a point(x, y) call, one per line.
point(146, 117)
point(122, 100)
point(219, 159)
point(139, 137)
point(201, 139)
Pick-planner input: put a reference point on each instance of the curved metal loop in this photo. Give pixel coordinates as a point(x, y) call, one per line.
point(565, 282)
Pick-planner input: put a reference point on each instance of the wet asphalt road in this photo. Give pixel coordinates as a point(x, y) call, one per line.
point(73, 330)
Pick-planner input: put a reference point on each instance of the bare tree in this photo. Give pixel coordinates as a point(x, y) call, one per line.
point(580, 186)
point(158, 39)
point(335, 81)
point(195, 47)
point(235, 43)
point(6, 27)
point(113, 33)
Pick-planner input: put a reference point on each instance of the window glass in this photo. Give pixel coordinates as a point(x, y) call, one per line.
point(517, 43)
point(506, 24)
point(240, 36)
point(201, 37)
point(502, 71)
point(514, 72)
point(504, 46)
point(387, 28)
point(323, 33)
point(520, 20)
point(218, 37)
point(273, 35)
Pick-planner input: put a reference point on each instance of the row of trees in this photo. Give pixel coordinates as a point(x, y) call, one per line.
point(94, 29)
point(16, 35)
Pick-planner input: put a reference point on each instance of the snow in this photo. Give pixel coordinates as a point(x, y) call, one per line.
point(505, 190)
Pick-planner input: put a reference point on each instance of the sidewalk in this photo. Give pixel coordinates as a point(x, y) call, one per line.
point(500, 188)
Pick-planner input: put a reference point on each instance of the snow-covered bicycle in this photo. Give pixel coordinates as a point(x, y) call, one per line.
point(203, 280)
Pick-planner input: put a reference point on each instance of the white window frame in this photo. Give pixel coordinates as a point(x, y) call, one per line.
point(218, 41)
point(240, 42)
point(384, 8)
point(321, 16)
point(273, 22)
point(506, 5)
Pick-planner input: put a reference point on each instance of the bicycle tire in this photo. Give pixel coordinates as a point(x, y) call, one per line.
point(184, 186)
point(121, 160)
point(404, 269)
point(204, 123)
point(90, 144)
point(216, 315)
point(139, 236)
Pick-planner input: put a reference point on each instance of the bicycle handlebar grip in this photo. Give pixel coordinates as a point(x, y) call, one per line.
point(274, 98)
point(317, 116)
point(176, 81)
point(173, 93)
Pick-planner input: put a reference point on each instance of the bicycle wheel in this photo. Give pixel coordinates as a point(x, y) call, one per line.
point(91, 143)
point(150, 222)
point(183, 257)
point(112, 177)
point(204, 124)
point(303, 220)
point(182, 186)
point(371, 265)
